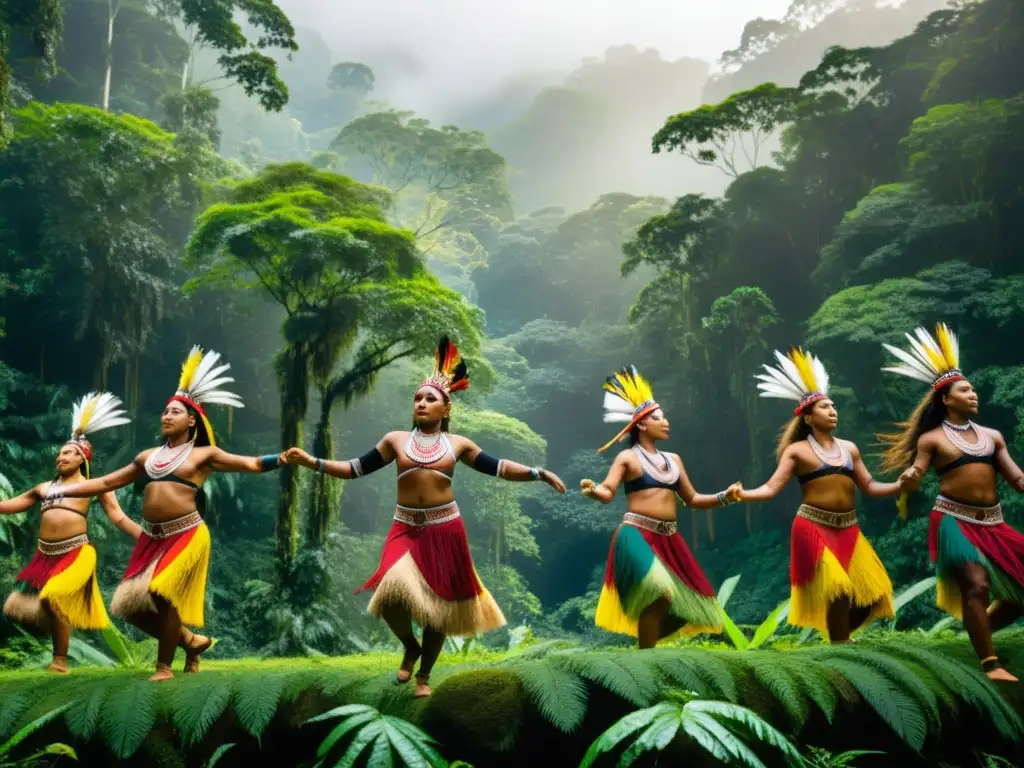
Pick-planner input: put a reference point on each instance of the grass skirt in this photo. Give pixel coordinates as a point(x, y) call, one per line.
point(827, 564)
point(428, 570)
point(65, 583)
point(175, 568)
point(644, 566)
point(952, 543)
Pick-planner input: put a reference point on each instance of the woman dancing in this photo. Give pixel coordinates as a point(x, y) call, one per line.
point(653, 586)
point(838, 584)
point(426, 573)
point(976, 554)
point(165, 584)
point(58, 590)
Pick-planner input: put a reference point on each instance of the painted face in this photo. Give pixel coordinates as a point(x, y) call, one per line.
point(69, 459)
point(176, 420)
point(429, 406)
point(823, 415)
point(656, 425)
point(961, 397)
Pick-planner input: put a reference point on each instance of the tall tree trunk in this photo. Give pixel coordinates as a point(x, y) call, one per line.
point(326, 489)
point(113, 6)
point(293, 382)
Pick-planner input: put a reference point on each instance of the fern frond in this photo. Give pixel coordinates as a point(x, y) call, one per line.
point(84, 716)
point(777, 679)
point(681, 671)
point(658, 735)
point(380, 755)
point(762, 731)
point(255, 701)
point(12, 706)
point(903, 714)
point(557, 693)
point(726, 740)
point(28, 730)
point(408, 742)
point(626, 674)
point(196, 705)
point(362, 740)
point(717, 673)
point(815, 684)
point(218, 754)
point(621, 730)
point(128, 715)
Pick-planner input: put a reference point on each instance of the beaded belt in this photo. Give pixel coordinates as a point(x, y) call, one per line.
point(969, 514)
point(827, 518)
point(172, 527)
point(64, 546)
point(432, 516)
point(652, 524)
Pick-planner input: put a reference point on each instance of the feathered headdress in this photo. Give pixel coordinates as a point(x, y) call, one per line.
point(450, 373)
point(627, 397)
point(94, 412)
point(800, 377)
point(199, 384)
point(935, 361)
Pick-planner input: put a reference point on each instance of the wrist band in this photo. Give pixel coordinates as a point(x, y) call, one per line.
point(721, 498)
point(320, 466)
point(535, 473)
point(268, 462)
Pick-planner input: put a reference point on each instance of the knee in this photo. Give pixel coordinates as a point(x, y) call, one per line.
point(976, 589)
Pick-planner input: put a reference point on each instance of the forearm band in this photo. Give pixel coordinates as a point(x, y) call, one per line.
point(268, 462)
point(367, 464)
point(486, 464)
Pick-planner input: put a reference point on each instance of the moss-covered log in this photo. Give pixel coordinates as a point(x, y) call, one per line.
point(916, 700)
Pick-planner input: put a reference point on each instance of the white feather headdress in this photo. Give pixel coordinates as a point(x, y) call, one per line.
point(798, 376)
point(200, 382)
point(933, 360)
point(94, 412)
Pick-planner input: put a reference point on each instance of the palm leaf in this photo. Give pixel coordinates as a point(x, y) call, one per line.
point(728, 587)
point(128, 715)
point(424, 741)
point(750, 721)
point(694, 728)
point(622, 729)
point(118, 646)
point(557, 693)
point(380, 755)
point(342, 728)
point(739, 640)
point(408, 749)
point(28, 730)
point(197, 705)
point(256, 701)
point(362, 740)
point(770, 625)
point(659, 734)
point(726, 739)
point(83, 652)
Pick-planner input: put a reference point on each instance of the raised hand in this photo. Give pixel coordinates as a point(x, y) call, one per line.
point(553, 480)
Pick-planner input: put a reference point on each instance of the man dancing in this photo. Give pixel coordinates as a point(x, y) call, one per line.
point(975, 553)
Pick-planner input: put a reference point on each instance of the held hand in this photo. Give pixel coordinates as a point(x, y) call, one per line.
point(910, 479)
point(298, 456)
point(553, 480)
point(734, 492)
point(587, 488)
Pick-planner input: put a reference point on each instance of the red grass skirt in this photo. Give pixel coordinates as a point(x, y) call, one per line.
point(953, 542)
point(173, 566)
point(65, 583)
point(827, 564)
point(645, 566)
point(428, 570)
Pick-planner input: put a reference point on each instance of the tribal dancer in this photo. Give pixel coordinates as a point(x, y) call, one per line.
point(426, 573)
point(165, 583)
point(58, 589)
point(838, 584)
point(653, 586)
point(975, 553)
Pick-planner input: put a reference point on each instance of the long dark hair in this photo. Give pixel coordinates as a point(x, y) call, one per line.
point(202, 437)
point(795, 430)
point(928, 414)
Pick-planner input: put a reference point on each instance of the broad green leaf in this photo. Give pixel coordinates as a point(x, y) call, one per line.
point(728, 587)
point(769, 626)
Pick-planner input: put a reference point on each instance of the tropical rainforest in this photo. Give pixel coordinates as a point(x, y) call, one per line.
point(175, 172)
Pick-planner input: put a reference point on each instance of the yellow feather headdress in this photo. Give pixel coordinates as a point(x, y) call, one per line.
point(799, 376)
point(627, 397)
point(199, 385)
point(933, 360)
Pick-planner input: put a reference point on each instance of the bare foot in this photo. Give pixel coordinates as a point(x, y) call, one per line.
point(58, 665)
point(408, 662)
point(199, 644)
point(163, 672)
point(1000, 674)
point(422, 689)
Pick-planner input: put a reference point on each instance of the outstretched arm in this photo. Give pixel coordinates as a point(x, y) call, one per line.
point(1006, 466)
point(472, 455)
point(377, 457)
point(696, 500)
point(867, 484)
point(20, 503)
point(99, 485)
point(117, 516)
point(783, 474)
point(911, 477)
point(605, 490)
point(222, 461)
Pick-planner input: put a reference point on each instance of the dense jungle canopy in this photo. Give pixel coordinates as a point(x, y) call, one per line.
point(175, 173)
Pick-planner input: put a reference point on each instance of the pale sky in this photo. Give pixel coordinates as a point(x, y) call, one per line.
point(474, 44)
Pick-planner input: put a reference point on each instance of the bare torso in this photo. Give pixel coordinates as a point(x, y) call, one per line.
point(659, 503)
point(64, 521)
point(165, 500)
point(424, 486)
point(971, 483)
point(836, 493)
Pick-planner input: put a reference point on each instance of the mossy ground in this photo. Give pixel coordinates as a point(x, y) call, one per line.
point(493, 709)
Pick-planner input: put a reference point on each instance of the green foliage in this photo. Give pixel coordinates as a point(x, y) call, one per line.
point(387, 735)
point(53, 750)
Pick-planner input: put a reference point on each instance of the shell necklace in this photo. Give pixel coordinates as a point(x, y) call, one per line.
point(954, 433)
point(165, 460)
point(668, 473)
point(426, 449)
point(834, 458)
